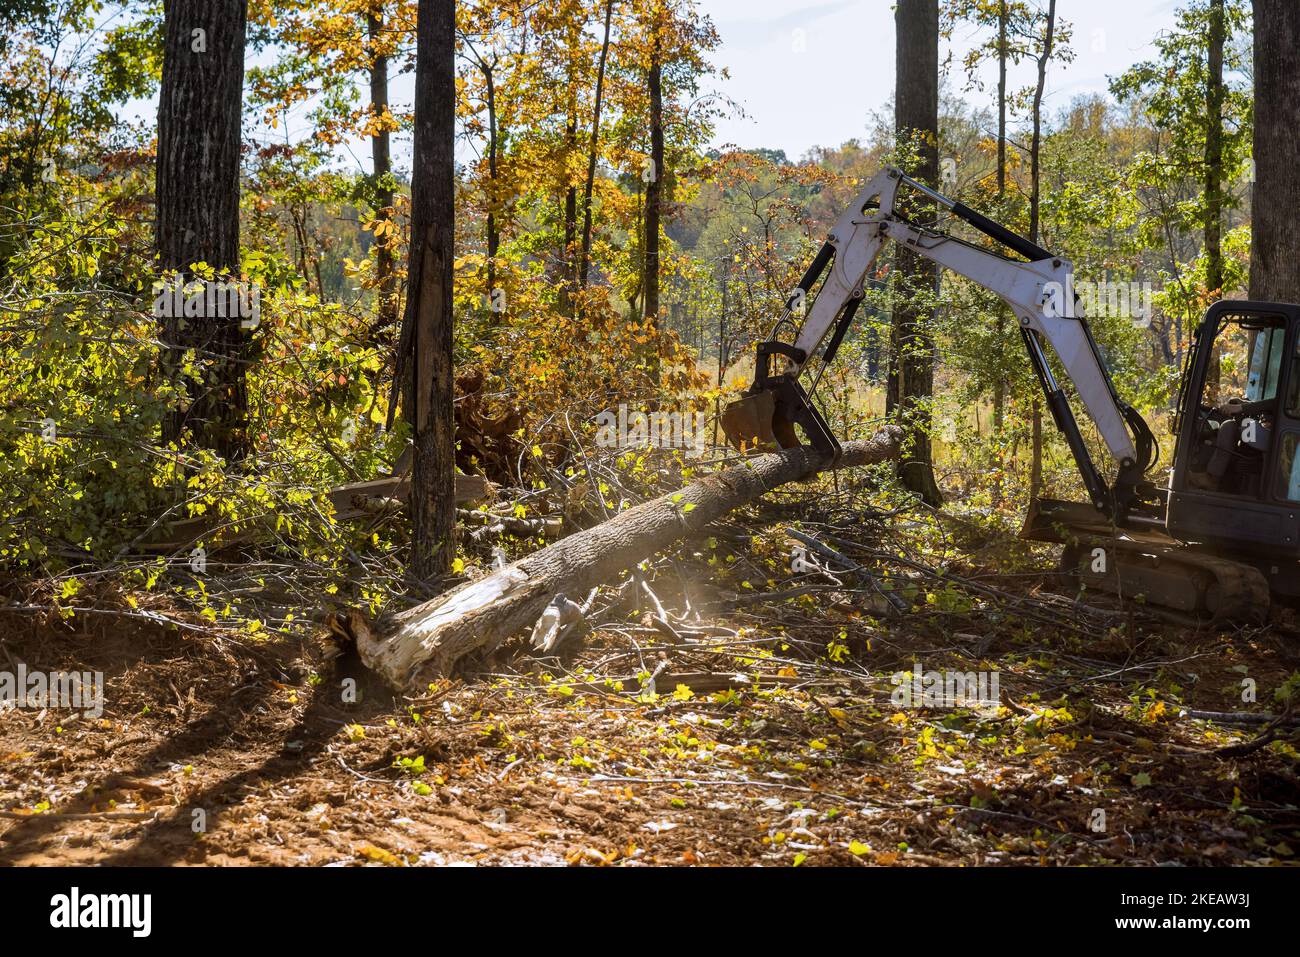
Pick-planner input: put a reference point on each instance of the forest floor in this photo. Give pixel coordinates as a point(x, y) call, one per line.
point(772, 740)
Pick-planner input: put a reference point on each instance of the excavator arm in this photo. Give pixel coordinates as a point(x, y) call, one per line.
point(1038, 290)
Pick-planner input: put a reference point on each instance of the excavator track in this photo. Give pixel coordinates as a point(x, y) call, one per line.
point(1174, 582)
point(1171, 579)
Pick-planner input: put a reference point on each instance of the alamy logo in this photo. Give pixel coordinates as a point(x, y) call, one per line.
point(977, 690)
point(204, 299)
point(655, 430)
point(1105, 299)
point(74, 909)
point(73, 690)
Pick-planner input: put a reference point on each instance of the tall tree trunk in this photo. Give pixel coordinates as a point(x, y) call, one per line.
point(912, 356)
point(1214, 150)
point(429, 303)
point(584, 260)
point(1275, 226)
point(382, 161)
point(1035, 143)
point(1036, 462)
point(493, 231)
point(570, 258)
point(1002, 99)
point(197, 195)
point(1214, 170)
point(654, 188)
point(1000, 389)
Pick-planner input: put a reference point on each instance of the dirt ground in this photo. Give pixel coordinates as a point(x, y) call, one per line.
point(766, 743)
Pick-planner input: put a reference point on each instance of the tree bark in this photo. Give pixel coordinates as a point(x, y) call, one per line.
point(1214, 150)
point(1002, 99)
point(495, 209)
point(416, 645)
point(568, 259)
point(912, 356)
point(654, 188)
point(1214, 169)
point(429, 304)
point(1035, 143)
point(1275, 226)
point(493, 230)
point(1000, 390)
point(1036, 451)
point(584, 260)
point(197, 211)
point(382, 161)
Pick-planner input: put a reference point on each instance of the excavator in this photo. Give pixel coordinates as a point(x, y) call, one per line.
point(1219, 542)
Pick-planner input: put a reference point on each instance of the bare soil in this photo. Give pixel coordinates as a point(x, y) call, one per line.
point(217, 751)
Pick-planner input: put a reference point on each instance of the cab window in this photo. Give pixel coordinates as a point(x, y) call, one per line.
point(1265, 353)
point(1248, 350)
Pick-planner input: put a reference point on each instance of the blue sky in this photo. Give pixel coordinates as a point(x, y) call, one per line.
point(809, 72)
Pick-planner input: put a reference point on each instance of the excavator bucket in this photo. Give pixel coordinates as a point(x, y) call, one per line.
point(1052, 520)
point(752, 423)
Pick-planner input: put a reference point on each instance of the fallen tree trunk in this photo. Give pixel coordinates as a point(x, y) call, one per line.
point(416, 645)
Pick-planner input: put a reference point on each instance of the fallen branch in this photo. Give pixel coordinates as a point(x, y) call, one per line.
point(426, 642)
point(898, 604)
point(1242, 717)
point(1271, 732)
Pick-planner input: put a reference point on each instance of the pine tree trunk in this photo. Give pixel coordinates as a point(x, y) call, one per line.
point(912, 353)
point(197, 210)
point(429, 303)
point(1275, 211)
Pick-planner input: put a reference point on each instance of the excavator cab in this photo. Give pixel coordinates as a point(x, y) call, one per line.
point(1235, 486)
